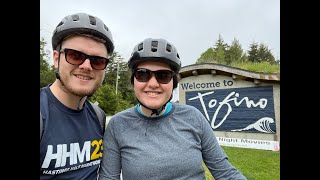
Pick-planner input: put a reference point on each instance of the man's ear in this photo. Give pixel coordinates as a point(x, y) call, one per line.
point(55, 56)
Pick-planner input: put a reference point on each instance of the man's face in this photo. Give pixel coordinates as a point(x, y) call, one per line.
point(80, 80)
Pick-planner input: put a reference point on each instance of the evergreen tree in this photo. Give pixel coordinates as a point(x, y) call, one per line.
point(264, 54)
point(220, 50)
point(253, 53)
point(234, 53)
point(222, 53)
point(46, 72)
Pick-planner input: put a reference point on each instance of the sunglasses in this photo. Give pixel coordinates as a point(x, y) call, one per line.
point(75, 57)
point(144, 75)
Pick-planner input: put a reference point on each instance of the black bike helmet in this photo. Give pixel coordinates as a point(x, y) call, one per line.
point(156, 50)
point(82, 23)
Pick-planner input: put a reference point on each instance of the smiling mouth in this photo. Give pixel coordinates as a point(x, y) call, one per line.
point(152, 93)
point(83, 77)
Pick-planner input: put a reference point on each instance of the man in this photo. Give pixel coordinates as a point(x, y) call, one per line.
point(71, 141)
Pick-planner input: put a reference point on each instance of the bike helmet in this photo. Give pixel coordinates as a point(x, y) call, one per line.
point(156, 50)
point(82, 23)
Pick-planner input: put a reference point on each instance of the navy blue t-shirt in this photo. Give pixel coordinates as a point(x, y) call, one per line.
point(71, 144)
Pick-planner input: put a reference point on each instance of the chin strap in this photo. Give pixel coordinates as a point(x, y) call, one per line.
point(78, 108)
point(57, 70)
point(157, 111)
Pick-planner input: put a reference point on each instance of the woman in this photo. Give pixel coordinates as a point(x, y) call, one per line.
point(159, 139)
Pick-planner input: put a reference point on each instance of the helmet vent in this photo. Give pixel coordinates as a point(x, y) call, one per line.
point(60, 24)
point(105, 27)
point(178, 56)
point(154, 49)
point(140, 47)
point(93, 20)
point(154, 45)
point(168, 48)
point(75, 18)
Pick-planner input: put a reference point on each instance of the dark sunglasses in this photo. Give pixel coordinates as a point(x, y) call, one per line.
point(144, 75)
point(75, 57)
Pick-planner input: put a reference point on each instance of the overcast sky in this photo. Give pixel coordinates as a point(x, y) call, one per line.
point(192, 26)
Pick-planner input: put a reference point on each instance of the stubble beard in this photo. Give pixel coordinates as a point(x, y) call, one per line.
point(76, 92)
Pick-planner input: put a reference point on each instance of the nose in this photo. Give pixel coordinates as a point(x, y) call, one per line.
point(153, 81)
point(86, 65)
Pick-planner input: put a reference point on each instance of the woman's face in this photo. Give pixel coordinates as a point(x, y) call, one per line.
point(152, 93)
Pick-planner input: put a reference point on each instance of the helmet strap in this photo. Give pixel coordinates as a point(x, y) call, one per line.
point(57, 70)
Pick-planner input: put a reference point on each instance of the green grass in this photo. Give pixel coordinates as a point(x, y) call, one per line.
point(253, 163)
point(258, 67)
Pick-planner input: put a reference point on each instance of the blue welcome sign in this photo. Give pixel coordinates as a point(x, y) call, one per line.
point(249, 109)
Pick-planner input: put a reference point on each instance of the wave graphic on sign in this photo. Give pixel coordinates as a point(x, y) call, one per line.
point(261, 125)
